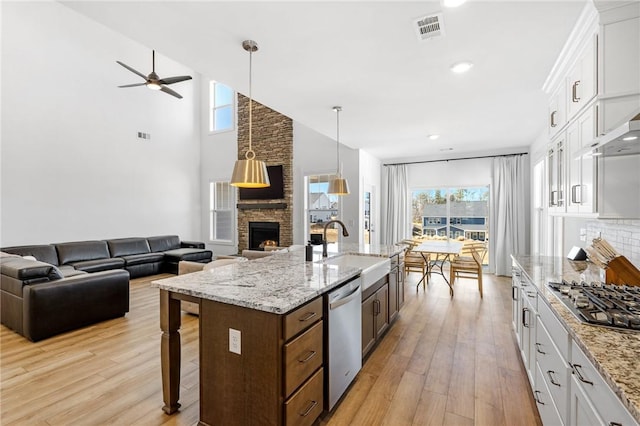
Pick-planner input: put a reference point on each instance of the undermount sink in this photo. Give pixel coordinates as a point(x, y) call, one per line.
point(373, 267)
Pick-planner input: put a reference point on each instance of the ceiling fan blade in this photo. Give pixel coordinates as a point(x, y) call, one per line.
point(133, 85)
point(132, 70)
point(171, 80)
point(171, 92)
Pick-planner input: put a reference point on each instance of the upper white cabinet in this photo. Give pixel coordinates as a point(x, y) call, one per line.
point(593, 88)
point(581, 80)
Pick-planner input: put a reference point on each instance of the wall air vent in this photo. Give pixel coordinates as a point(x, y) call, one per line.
point(428, 27)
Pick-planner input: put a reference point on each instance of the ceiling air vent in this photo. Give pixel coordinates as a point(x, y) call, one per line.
point(428, 27)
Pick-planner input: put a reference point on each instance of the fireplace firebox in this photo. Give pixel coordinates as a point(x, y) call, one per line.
point(263, 233)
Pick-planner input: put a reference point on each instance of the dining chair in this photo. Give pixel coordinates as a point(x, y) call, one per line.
point(414, 261)
point(464, 267)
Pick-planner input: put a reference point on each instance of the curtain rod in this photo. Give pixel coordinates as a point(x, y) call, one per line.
point(456, 159)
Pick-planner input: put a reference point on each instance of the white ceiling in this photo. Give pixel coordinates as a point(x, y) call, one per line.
point(365, 56)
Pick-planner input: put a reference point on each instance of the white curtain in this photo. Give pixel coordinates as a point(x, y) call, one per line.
point(509, 212)
point(396, 210)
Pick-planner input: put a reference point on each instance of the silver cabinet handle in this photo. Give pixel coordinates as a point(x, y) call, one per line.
point(311, 355)
point(553, 119)
point(307, 317)
point(576, 371)
point(554, 198)
point(540, 351)
point(574, 91)
point(615, 424)
point(513, 293)
point(535, 396)
point(311, 406)
point(576, 195)
point(553, 382)
point(524, 317)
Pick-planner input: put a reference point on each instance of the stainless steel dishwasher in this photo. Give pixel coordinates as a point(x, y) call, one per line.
point(344, 313)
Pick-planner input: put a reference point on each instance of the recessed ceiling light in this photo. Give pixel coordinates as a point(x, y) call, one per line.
point(434, 137)
point(630, 138)
point(461, 67)
point(453, 3)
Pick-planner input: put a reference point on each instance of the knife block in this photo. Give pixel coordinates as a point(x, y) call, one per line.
point(620, 271)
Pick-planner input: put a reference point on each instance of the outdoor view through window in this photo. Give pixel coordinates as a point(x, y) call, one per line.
point(457, 213)
point(322, 207)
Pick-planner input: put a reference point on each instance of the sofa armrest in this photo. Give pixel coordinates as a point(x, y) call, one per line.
point(29, 271)
point(55, 307)
point(192, 244)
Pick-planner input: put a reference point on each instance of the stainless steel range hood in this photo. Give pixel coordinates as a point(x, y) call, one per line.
point(623, 140)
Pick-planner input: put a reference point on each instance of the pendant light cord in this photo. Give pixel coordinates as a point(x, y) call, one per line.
point(250, 151)
point(337, 109)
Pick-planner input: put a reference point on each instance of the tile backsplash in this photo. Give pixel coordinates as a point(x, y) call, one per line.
point(623, 235)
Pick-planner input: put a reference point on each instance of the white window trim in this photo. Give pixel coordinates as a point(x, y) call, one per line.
point(211, 107)
point(234, 214)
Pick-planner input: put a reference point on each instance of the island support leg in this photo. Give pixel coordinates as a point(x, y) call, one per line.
point(170, 351)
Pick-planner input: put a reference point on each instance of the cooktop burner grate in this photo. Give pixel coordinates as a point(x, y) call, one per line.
point(601, 304)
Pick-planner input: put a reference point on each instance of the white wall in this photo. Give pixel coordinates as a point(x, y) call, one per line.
point(314, 153)
point(72, 165)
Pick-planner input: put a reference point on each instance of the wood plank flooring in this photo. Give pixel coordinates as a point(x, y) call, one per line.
point(444, 362)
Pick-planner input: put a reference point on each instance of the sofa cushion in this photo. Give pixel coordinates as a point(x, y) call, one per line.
point(79, 251)
point(196, 255)
point(139, 259)
point(164, 242)
point(17, 272)
point(126, 246)
point(97, 265)
point(43, 252)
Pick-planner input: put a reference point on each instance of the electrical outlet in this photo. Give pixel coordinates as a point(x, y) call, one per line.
point(235, 341)
point(583, 234)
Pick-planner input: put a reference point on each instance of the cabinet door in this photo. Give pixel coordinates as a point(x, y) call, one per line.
point(382, 312)
point(582, 411)
point(587, 128)
point(393, 294)
point(368, 324)
point(557, 110)
point(574, 179)
point(515, 305)
point(556, 167)
point(581, 82)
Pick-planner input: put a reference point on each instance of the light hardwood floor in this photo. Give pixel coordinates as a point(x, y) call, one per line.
point(444, 362)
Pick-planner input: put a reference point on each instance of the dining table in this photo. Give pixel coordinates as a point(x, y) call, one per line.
point(435, 253)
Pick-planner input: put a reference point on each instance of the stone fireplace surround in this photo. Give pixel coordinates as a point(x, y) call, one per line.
point(272, 142)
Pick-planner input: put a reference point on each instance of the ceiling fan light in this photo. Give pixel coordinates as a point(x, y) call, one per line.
point(338, 186)
point(250, 173)
point(153, 86)
point(461, 67)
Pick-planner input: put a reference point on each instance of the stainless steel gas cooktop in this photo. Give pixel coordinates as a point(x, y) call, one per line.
point(601, 304)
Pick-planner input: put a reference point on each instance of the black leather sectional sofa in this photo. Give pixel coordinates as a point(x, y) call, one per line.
point(74, 284)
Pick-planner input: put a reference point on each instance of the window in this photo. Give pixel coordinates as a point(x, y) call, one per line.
point(321, 206)
point(221, 107)
point(221, 212)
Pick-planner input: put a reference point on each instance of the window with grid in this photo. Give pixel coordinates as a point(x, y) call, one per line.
point(221, 107)
point(222, 200)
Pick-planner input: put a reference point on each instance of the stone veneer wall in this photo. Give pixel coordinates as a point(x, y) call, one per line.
point(623, 235)
point(272, 141)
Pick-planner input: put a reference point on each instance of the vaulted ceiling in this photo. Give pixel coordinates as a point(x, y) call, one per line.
point(394, 89)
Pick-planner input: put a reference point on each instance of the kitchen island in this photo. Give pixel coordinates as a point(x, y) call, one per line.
point(614, 386)
point(255, 319)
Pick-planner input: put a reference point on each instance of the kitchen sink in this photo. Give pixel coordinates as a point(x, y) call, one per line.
point(373, 267)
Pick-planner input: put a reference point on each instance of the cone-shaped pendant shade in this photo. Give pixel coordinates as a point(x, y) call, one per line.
point(338, 186)
point(250, 174)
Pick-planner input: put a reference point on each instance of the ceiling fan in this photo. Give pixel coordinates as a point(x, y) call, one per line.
point(153, 81)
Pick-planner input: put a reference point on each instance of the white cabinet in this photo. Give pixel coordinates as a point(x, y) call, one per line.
point(581, 169)
point(557, 110)
point(592, 400)
point(516, 277)
point(581, 80)
point(546, 406)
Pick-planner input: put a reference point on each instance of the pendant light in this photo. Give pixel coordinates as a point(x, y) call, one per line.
point(250, 173)
point(338, 186)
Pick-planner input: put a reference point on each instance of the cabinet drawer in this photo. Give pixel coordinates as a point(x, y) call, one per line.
point(547, 409)
point(302, 356)
point(554, 370)
point(301, 318)
point(556, 330)
point(304, 406)
point(607, 405)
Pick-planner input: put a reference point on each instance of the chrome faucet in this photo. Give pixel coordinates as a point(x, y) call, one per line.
point(345, 233)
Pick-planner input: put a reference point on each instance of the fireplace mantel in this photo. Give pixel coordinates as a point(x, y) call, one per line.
point(253, 206)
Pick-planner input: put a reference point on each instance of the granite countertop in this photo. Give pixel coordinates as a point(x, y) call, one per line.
point(614, 353)
point(278, 283)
